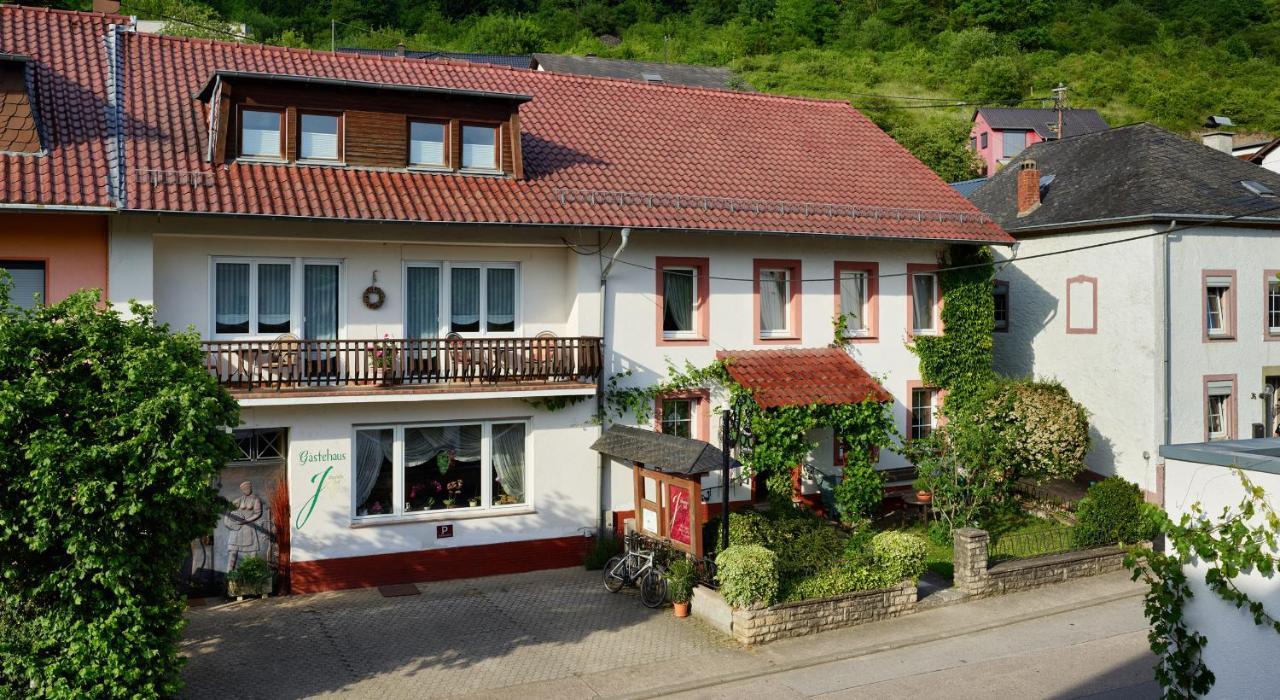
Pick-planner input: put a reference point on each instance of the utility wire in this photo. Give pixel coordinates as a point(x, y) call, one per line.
point(1000, 263)
point(152, 12)
point(952, 105)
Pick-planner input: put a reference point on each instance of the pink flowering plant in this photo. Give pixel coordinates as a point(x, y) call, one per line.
point(382, 353)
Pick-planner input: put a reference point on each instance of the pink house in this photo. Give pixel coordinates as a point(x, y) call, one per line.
point(999, 134)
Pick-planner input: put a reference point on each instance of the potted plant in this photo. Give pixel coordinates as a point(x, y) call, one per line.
point(923, 494)
point(382, 359)
point(680, 579)
point(474, 503)
point(448, 502)
point(251, 577)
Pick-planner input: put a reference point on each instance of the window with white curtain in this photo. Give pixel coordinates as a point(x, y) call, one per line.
point(414, 469)
point(320, 137)
point(479, 147)
point(260, 133)
point(775, 302)
point(469, 298)
point(853, 301)
point(1217, 302)
point(924, 300)
point(679, 302)
point(257, 297)
point(27, 280)
point(426, 144)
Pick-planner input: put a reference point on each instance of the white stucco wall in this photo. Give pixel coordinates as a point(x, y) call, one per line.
point(1116, 372)
point(561, 472)
point(1241, 655)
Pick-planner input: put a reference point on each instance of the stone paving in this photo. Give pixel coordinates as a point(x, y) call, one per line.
point(457, 637)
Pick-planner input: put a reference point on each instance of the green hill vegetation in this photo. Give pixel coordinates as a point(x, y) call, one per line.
point(1170, 62)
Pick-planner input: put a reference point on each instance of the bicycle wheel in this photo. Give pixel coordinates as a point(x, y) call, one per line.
point(614, 572)
point(653, 589)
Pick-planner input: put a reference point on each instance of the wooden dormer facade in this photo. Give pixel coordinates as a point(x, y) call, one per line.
point(19, 132)
point(355, 124)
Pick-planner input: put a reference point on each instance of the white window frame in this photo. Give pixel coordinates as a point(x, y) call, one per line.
point(693, 414)
point(912, 425)
point(1273, 307)
point(862, 314)
point(297, 288)
point(786, 331)
point(1224, 329)
point(398, 514)
point(444, 297)
point(692, 334)
point(1221, 390)
point(933, 305)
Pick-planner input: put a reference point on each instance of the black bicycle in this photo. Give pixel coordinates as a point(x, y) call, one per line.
point(636, 567)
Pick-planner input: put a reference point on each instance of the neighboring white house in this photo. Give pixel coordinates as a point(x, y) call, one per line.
point(1131, 310)
point(1242, 655)
point(414, 275)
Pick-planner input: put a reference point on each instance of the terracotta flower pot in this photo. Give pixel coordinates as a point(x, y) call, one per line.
point(682, 609)
point(924, 496)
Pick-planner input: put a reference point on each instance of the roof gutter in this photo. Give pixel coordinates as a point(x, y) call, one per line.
point(207, 90)
point(1046, 229)
point(535, 224)
point(77, 208)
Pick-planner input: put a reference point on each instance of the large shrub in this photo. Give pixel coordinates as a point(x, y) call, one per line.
point(113, 431)
point(899, 555)
point(859, 492)
point(748, 575)
point(1112, 511)
point(1042, 433)
point(802, 542)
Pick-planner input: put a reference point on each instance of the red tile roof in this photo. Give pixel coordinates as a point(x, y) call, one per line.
point(802, 377)
point(69, 63)
point(736, 161)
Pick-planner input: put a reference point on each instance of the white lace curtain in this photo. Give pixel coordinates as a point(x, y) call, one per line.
point(376, 448)
point(773, 300)
point(373, 449)
point(501, 301)
point(508, 459)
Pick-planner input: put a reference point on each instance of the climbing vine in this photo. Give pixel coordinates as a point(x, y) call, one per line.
point(960, 360)
point(1241, 540)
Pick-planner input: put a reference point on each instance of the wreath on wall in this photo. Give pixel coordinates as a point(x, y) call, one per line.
point(374, 297)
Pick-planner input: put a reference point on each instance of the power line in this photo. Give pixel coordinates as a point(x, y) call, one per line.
point(952, 105)
point(1002, 263)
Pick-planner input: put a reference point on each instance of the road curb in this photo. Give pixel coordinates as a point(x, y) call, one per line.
point(855, 652)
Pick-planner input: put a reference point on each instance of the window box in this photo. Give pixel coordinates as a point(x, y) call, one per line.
point(682, 289)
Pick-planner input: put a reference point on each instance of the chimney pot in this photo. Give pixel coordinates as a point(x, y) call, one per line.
point(1218, 141)
point(110, 7)
point(400, 49)
point(1028, 187)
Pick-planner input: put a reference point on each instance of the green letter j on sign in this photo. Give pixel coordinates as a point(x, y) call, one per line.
point(304, 514)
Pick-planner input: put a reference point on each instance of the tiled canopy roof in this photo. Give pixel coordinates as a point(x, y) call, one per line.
point(802, 377)
point(68, 76)
point(596, 152)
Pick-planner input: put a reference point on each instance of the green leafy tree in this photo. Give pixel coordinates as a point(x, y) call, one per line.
point(113, 431)
point(506, 34)
point(942, 144)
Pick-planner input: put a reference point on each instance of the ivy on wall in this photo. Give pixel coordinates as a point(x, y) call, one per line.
point(1243, 539)
point(960, 359)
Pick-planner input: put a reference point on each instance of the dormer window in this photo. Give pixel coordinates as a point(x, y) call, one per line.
point(18, 132)
point(479, 147)
point(426, 144)
point(260, 133)
point(321, 137)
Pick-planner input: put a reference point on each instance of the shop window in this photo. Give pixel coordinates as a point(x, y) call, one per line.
point(415, 469)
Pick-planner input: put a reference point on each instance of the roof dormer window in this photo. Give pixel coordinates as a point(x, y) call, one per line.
point(426, 144)
point(260, 133)
point(321, 137)
point(18, 132)
point(479, 147)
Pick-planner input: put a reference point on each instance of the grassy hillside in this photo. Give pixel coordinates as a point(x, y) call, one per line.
point(1171, 62)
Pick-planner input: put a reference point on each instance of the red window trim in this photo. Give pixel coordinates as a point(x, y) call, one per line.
point(702, 306)
point(1231, 408)
point(1268, 276)
point(1008, 319)
point(939, 396)
point(701, 411)
point(1231, 302)
point(912, 270)
point(794, 305)
point(1093, 285)
point(872, 320)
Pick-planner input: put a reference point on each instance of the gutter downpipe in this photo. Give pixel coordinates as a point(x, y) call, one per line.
point(1168, 338)
point(600, 408)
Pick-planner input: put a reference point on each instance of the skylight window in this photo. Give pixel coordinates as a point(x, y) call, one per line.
point(652, 77)
point(1258, 188)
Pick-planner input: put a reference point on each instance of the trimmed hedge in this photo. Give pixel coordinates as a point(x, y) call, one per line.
point(1113, 511)
point(748, 575)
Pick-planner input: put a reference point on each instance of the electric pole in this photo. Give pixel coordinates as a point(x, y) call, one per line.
point(1059, 104)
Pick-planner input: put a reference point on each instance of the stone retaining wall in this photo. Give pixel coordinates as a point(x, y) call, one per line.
point(808, 616)
point(975, 576)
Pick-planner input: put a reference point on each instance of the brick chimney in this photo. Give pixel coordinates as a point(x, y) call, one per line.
point(1028, 187)
point(110, 7)
point(1218, 141)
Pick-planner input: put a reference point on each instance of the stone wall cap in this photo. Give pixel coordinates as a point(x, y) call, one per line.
point(970, 532)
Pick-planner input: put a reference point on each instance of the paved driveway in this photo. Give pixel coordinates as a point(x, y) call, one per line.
point(457, 637)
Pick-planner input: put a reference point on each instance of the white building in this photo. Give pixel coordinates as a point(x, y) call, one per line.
point(1156, 301)
point(415, 275)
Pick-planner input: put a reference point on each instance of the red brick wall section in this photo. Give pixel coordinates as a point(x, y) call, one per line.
point(438, 564)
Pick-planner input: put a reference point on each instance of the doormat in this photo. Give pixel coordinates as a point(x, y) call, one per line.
point(398, 589)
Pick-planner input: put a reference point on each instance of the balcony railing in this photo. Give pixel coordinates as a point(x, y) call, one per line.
point(289, 363)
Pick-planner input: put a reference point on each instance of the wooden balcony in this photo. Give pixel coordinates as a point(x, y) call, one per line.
point(293, 366)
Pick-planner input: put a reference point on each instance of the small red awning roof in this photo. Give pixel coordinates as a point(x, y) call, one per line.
point(802, 377)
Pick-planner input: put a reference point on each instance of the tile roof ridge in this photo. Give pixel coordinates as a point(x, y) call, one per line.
point(83, 14)
point(691, 88)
